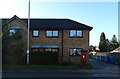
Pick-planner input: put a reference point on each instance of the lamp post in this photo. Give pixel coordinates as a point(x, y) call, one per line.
point(28, 33)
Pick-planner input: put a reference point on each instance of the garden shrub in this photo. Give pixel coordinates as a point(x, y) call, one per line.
point(43, 58)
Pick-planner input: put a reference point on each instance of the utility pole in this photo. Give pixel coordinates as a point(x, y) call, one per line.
point(28, 36)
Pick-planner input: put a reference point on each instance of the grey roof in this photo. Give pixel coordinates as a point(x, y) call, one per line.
point(52, 23)
point(44, 46)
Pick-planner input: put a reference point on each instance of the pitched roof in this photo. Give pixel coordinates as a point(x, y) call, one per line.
point(117, 50)
point(53, 24)
point(6, 21)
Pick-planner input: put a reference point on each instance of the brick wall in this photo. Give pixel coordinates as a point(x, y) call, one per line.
point(43, 40)
point(74, 43)
point(17, 58)
point(67, 43)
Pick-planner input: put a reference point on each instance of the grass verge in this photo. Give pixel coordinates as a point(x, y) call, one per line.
point(87, 66)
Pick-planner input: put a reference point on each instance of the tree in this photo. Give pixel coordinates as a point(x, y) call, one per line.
point(102, 43)
point(114, 43)
point(108, 45)
point(5, 39)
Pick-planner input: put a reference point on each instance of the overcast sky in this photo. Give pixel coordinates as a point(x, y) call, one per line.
point(102, 16)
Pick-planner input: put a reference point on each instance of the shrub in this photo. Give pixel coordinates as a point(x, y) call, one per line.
point(43, 58)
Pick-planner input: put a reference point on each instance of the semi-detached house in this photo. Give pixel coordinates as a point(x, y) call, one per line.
point(65, 36)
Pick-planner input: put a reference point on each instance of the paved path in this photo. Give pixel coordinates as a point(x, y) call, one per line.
point(100, 69)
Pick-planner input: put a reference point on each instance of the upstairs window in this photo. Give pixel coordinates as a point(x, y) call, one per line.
point(16, 32)
point(12, 32)
point(76, 33)
point(52, 33)
point(35, 33)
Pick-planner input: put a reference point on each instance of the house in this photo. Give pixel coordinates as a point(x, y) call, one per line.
point(64, 36)
point(117, 50)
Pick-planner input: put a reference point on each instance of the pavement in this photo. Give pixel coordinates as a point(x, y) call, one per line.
point(100, 69)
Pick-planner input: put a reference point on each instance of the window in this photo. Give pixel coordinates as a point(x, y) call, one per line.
point(48, 50)
point(75, 52)
point(35, 33)
point(54, 50)
point(17, 34)
point(34, 50)
point(76, 33)
point(51, 50)
point(52, 33)
point(15, 30)
point(12, 32)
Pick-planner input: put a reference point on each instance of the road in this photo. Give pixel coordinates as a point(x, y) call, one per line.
point(100, 69)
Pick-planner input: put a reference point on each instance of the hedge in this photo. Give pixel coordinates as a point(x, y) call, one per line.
point(43, 58)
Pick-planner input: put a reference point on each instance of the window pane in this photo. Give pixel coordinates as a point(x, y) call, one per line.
point(49, 33)
point(55, 33)
point(54, 50)
point(34, 50)
point(48, 50)
point(12, 31)
point(79, 51)
point(79, 33)
point(35, 32)
point(73, 33)
point(72, 52)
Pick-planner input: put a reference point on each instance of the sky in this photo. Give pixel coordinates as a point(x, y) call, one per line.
point(102, 16)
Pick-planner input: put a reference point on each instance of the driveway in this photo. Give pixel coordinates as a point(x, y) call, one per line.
point(103, 67)
point(100, 69)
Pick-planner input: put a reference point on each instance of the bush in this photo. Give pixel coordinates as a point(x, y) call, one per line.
point(43, 58)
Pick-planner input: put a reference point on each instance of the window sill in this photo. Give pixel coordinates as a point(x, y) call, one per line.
point(52, 37)
point(74, 55)
point(35, 36)
point(76, 37)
